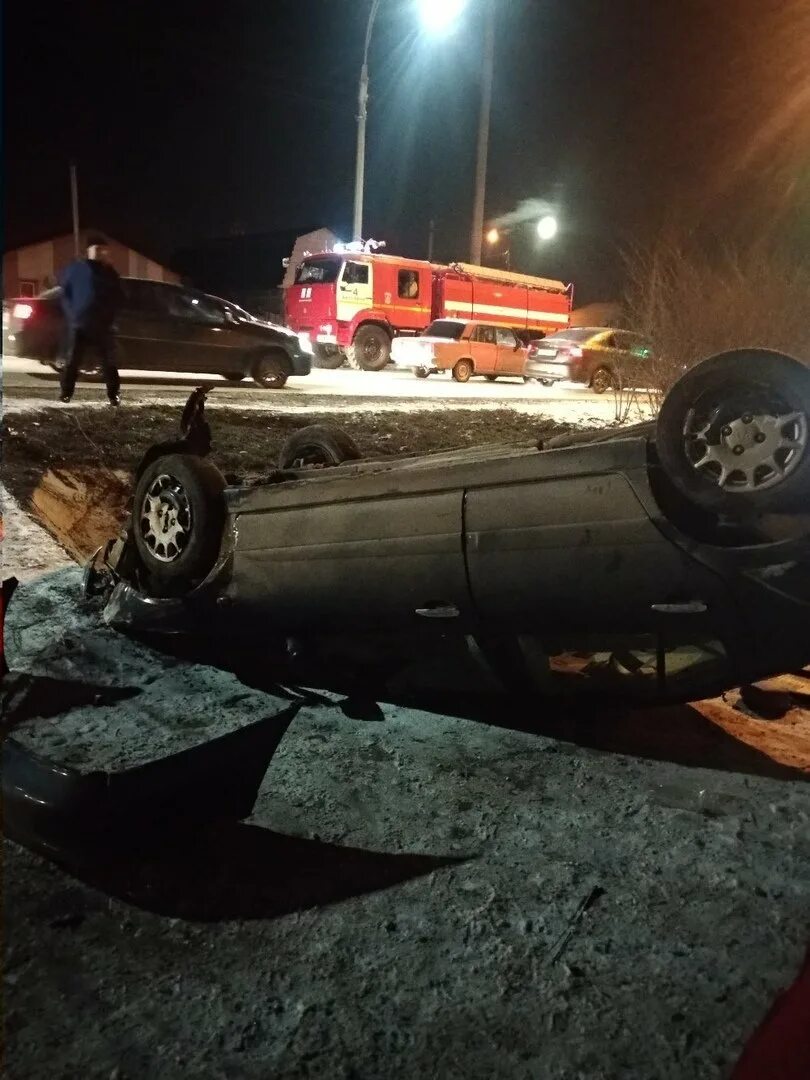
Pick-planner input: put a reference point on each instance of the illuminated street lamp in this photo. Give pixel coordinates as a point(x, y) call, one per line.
point(493, 236)
point(436, 16)
point(547, 227)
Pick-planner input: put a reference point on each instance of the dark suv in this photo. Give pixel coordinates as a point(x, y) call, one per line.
point(163, 327)
point(597, 356)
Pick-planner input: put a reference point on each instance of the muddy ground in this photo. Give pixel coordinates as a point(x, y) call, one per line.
point(246, 444)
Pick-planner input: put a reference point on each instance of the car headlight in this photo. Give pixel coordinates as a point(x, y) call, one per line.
point(305, 341)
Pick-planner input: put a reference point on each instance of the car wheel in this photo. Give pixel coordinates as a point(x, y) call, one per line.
point(602, 380)
point(547, 382)
point(318, 445)
point(233, 376)
point(733, 433)
point(491, 378)
point(271, 371)
point(177, 518)
point(463, 370)
point(93, 371)
point(370, 350)
point(421, 373)
point(528, 379)
point(329, 357)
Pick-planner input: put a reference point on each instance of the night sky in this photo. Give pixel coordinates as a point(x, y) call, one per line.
point(193, 120)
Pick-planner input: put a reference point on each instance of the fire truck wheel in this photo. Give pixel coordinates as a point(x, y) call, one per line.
point(370, 349)
point(491, 378)
point(421, 373)
point(327, 356)
point(463, 370)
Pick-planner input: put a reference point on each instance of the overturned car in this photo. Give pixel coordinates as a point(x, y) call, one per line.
point(666, 561)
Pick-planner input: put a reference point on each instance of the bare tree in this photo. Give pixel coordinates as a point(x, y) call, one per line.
point(691, 305)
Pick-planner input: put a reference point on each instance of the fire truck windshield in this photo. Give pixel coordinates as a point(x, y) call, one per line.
point(318, 271)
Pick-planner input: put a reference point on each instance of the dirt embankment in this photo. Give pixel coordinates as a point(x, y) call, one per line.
point(72, 468)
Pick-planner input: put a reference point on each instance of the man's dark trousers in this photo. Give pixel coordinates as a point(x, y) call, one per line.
point(84, 339)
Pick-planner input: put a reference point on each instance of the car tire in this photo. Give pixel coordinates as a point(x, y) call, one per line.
point(329, 357)
point(733, 434)
point(271, 370)
point(463, 370)
point(602, 380)
point(491, 378)
point(421, 373)
point(177, 517)
point(371, 348)
point(319, 445)
point(233, 376)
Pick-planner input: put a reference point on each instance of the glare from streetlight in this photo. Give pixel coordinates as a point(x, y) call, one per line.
point(439, 15)
point(547, 227)
point(493, 236)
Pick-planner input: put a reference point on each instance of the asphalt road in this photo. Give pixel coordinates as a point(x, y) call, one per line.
point(28, 382)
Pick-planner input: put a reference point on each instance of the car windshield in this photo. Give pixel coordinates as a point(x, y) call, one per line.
point(445, 328)
point(238, 311)
point(575, 333)
point(320, 271)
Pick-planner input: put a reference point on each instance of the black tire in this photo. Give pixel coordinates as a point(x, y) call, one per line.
point(719, 436)
point(463, 370)
point(178, 490)
point(328, 357)
point(602, 380)
point(317, 445)
point(491, 378)
point(371, 348)
point(271, 370)
point(233, 376)
point(421, 373)
point(547, 382)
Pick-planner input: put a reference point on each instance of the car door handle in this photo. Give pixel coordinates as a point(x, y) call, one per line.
point(441, 609)
point(689, 607)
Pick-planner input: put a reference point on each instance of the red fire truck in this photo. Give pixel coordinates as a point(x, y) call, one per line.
point(352, 305)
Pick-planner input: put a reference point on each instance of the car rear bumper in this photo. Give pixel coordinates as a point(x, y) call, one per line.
point(551, 372)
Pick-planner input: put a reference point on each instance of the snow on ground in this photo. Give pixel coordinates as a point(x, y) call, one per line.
point(402, 901)
point(27, 549)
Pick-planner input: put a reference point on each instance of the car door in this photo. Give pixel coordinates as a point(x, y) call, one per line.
point(511, 356)
point(484, 350)
point(144, 328)
point(352, 554)
point(574, 564)
point(355, 289)
point(205, 340)
point(636, 356)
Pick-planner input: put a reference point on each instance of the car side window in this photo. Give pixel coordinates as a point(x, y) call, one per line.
point(505, 337)
point(608, 341)
point(408, 284)
point(145, 297)
point(485, 334)
point(196, 307)
point(355, 274)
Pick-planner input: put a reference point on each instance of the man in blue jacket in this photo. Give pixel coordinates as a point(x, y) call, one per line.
point(91, 294)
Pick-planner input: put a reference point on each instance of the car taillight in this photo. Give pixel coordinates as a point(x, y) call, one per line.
point(573, 352)
point(22, 311)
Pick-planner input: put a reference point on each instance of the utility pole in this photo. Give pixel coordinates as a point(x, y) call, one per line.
point(476, 233)
point(362, 113)
point(431, 231)
point(74, 205)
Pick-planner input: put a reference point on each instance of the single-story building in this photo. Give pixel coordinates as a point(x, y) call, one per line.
point(30, 269)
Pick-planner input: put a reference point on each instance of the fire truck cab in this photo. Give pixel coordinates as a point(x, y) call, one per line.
point(353, 305)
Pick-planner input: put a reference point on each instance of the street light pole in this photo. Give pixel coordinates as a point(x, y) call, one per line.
point(362, 113)
point(476, 233)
